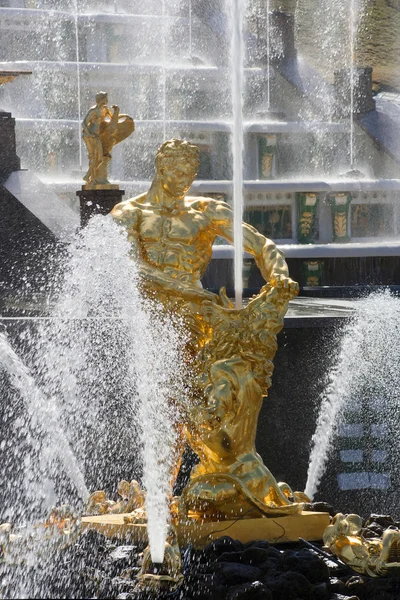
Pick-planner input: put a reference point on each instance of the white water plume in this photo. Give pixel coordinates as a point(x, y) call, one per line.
point(113, 360)
point(237, 63)
point(356, 13)
point(43, 421)
point(367, 367)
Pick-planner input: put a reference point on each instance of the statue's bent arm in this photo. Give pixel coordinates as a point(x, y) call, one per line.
point(268, 258)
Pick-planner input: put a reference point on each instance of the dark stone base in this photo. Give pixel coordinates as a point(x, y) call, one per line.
point(226, 569)
point(28, 253)
point(335, 271)
point(97, 202)
point(9, 160)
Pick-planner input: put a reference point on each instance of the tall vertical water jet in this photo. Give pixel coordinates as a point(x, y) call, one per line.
point(237, 64)
point(355, 15)
point(164, 71)
point(112, 366)
point(352, 82)
point(78, 82)
point(190, 28)
point(268, 56)
point(366, 369)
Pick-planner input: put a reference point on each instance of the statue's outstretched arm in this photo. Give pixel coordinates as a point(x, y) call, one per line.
point(269, 259)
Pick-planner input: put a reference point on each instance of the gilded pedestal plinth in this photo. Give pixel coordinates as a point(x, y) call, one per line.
point(307, 525)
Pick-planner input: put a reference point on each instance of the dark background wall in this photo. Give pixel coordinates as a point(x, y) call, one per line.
point(28, 252)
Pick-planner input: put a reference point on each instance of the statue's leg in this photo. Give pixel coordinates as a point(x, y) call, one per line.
point(95, 152)
point(88, 175)
point(101, 171)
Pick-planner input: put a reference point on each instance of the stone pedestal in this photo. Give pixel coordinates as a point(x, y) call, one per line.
point(281, 27)
point(283, 36)
point(9, 160)
point(97, 202)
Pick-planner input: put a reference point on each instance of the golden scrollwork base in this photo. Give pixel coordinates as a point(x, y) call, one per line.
point(375, 557)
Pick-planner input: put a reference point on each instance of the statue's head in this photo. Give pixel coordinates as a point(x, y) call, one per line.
point(101, 98)
point(177, 163)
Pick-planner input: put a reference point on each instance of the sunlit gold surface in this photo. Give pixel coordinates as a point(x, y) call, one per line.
point(306, 525)
point(101, 130)
point(131, 496)
point(231, 351)
point(373, 556)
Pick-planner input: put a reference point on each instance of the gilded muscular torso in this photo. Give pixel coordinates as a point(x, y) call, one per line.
point(176, 240)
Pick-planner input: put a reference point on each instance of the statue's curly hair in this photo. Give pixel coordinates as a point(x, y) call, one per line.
point(171, 152)
point(101, 96)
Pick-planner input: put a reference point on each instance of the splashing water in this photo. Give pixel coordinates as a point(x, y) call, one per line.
point(43, 421)
point(128, 347)
point(112, 359)
point(366, 367)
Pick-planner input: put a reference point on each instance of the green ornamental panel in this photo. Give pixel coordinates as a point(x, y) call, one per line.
point(340, 216)
point(307, 217)
point(273, 221)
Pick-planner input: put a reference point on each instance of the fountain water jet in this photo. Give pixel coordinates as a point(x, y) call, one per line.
point(113, 366)
point(78, 80)
point(356, 11)
point(366, 368)
point(44, 420)
point(237, 142)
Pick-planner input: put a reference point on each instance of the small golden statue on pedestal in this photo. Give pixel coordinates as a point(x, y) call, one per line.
point(101, 130)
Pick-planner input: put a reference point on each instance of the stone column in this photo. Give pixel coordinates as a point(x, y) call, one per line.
point(97, 201)
point(363, 99)
point(340, 204)
point(282, 36)
point(307, 212)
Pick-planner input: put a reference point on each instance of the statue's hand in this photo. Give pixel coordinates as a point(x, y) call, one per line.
point(287, 288)
point(116, 108)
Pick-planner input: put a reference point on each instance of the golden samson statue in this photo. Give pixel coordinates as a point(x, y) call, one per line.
point(232, 350)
